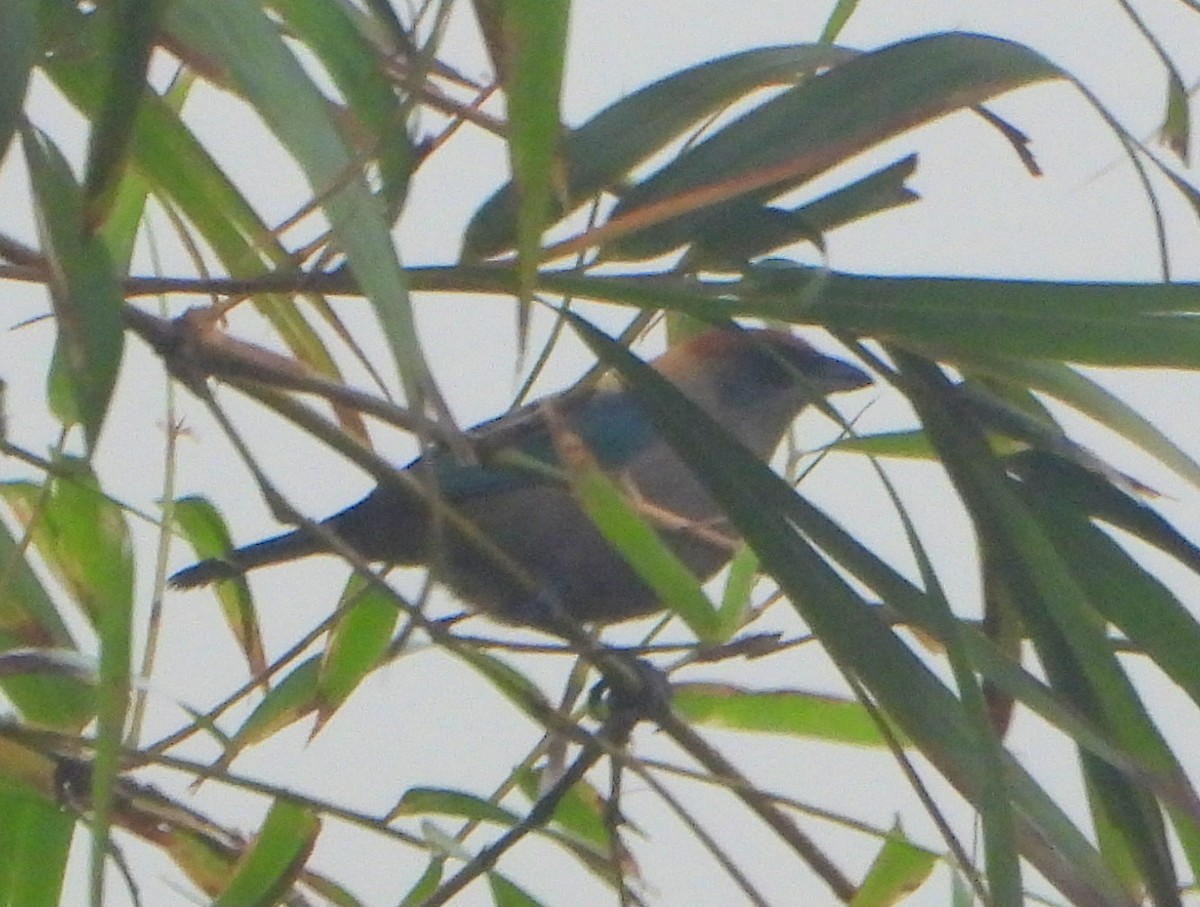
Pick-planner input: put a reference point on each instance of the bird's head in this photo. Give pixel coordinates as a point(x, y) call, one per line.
point(755, 381)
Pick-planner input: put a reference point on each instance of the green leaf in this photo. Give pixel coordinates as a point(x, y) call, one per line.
point(132, 29)
point(627, 531)
point(287, 702)
point(418, 801)
point(899, 869)
point(35, 841)
point(791, 712)
point(854, 633)
point(275, 860)
point(535, 37)
point(84, 291)
point(1070, 640)
point(603, 150)
point(354, 63)
point(357, 641)
point(239, 35)
point(18, 50)
point(208, 535)
point(817, 124)
point(507, 894)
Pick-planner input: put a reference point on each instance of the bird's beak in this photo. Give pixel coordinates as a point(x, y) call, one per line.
point(832, 376)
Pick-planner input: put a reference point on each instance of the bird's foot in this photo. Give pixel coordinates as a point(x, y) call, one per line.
point(632, 688)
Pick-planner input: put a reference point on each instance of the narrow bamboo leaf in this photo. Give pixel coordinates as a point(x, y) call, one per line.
point(899, 869)
point(1087, 396)
point(357, 641)
point(18, 50)
point(1177, 124)
point(83, 538)
point(751, 229)
point(458, 804)
point(35, 841)
point(267, 871)
point(903, 444)
point(507, 894)
point(287, 702)
point(179, 170)
point(208, 535)
point(582, 812)
point(791, 712)
point(357, 67)
point(426, 885)
point(1106, 324)
point(1131, 833)
point(83, 289)
point(854, 633)
point(239, 35)
point(630, 533)
point(603, 150)
point(27, 613)
point(1069, 638)
point(819, 123)
point(132, 27)
point(735, 600)
point(509, 682)
point(535, 37)
point(48, 687)
point(1099, 324)
point(1094, 495)
point(837, 19)
point(419, 801)
point(1124, 592)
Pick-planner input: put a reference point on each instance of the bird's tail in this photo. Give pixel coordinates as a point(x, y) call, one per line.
point(284, 547)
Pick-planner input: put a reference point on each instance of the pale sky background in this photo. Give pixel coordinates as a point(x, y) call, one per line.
point(427, 721)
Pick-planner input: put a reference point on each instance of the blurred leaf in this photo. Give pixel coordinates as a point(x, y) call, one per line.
point(899, 869)
point(426, 885)
point(357, 68)
point(1086, 395)
point(181, 171)
point(1177, 124)
point(603, 150)
point(463, 805)
point(854, 633)
point(132, 29)
point(35, 841)
point(837, 19)
point(80, 534)
point(791, 712)
point(273, 863)
point(749, 229)
point(507, 894)
point(419, 801)
point(1110, 324)
point(534, 33)
point(948, 318)
point(357, 640)
point(628, 531)
point(581, 812)
point(813, 126)
point(1064, 629)
point(83, 289)
point(239, 35)
point(208, 535)
point(291, 699)
point(18, 50)
point(735, 600)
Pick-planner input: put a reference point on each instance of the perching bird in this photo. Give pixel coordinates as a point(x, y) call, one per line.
point(543, 557)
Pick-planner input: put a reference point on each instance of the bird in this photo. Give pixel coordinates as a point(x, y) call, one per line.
point(506, 533)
